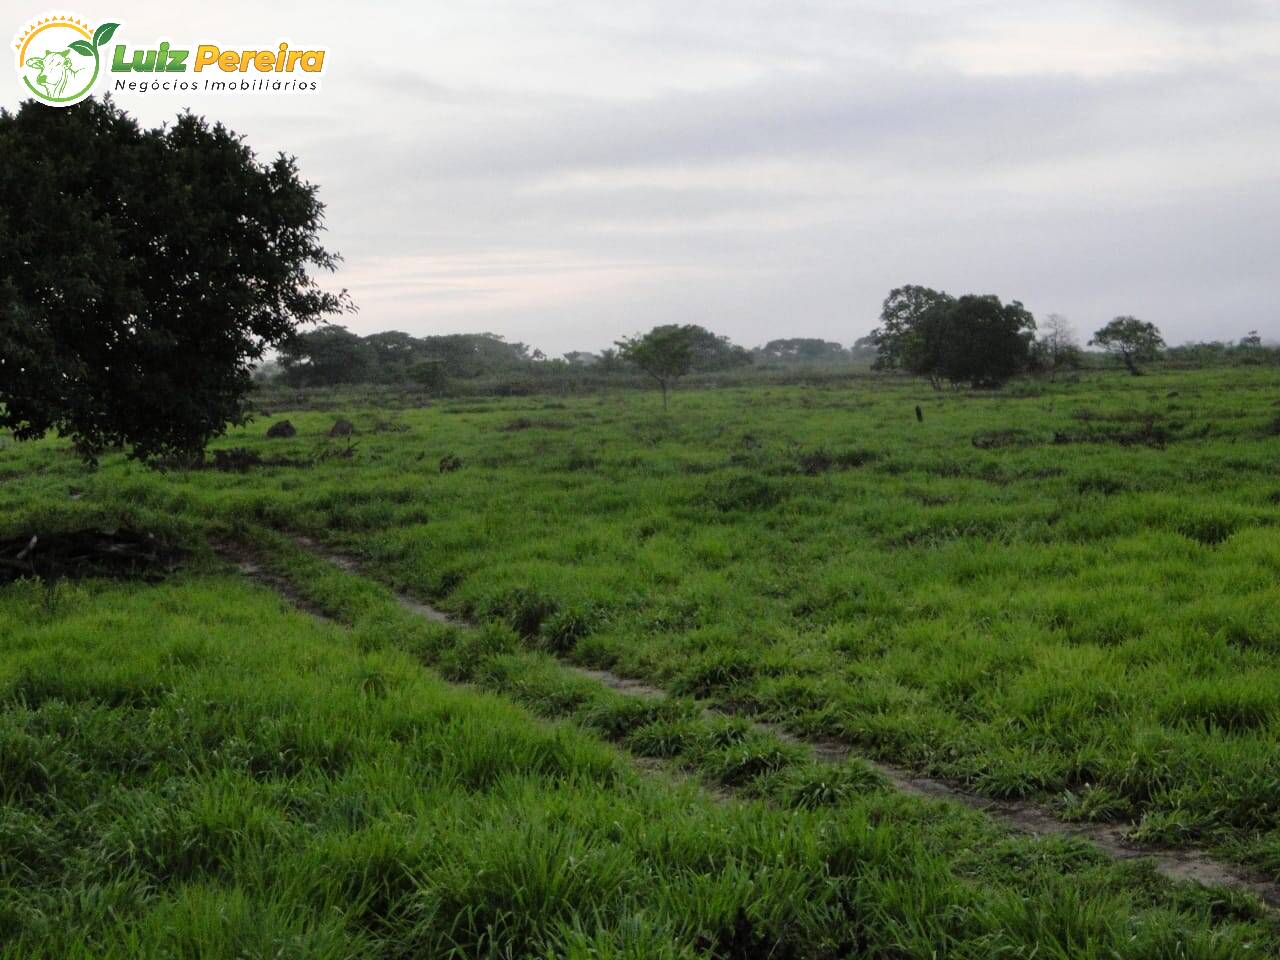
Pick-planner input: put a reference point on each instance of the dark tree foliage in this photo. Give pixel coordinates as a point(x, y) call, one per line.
point(901, 317)
point(467, 355)
point(141, 274)
point(328, 355)
point(1134, 341)
point(392, 354)
point(430, 375)
point(332, 354)
point(977, 340)
point(712, 352)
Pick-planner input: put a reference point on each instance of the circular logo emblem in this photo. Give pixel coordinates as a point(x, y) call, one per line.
point(59, 58)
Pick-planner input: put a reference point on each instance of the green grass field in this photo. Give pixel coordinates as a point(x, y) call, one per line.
point(1067, 592)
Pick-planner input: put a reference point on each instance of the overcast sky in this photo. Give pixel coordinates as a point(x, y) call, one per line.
point(566, 172)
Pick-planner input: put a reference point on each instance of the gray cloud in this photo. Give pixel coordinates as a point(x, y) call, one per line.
point(567, 172)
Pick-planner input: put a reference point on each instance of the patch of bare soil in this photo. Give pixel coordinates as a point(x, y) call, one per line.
point(75, 554)
point(242, 459)
point(249, 566)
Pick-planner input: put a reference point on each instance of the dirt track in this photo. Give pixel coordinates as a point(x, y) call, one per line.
point(1022, 816)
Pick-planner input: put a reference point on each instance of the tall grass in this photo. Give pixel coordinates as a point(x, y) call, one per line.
point(193, 769)
point(1067, 592)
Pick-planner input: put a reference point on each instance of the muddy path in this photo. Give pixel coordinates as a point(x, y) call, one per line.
point(1188, 864)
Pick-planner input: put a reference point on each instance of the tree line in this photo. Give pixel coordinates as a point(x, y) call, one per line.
point(331, 354)
point(975, 341)
point(979, 341)
point(147, 274)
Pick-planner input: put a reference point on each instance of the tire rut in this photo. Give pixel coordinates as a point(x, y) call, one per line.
point(1189, 864)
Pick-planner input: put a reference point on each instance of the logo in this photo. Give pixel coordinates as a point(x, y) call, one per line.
point(60, 57)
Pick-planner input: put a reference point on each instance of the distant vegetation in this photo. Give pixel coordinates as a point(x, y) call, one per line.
point(472, 364)
point(969, 341)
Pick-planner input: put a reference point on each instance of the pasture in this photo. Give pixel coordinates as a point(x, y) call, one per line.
point(1063, 593)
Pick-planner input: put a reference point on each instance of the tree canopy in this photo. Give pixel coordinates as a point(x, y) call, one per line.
point(902, 317)
point(979, 341)
point(144, 271)
point(664, 353)
point(713, 352)
point(1134, 341)
point(801, 350)
point(976, 340)
point(332, 354)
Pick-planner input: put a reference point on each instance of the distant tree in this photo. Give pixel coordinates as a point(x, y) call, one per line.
point(1057, 348)
point(713, 353)
point(430, 375)
point(609, 362)
point(665, 353)
point(469, 355)
point(391, 354)
point(335, 355)
point(976, 340)
point(1134, 341)
point(326, 356)
point(1204, 353)
point(1252, 341)
point(801, 350)
point(904, 313)
point(864, 348)
point(142, 274)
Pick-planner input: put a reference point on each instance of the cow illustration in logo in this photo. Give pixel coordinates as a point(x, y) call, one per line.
point(56, 71)
point(65, 72)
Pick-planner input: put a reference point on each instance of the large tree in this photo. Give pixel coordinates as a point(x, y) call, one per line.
point(142, 273)
point(977, 340)
point(1134, 341)
point(973, 339)
point(902, 316)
